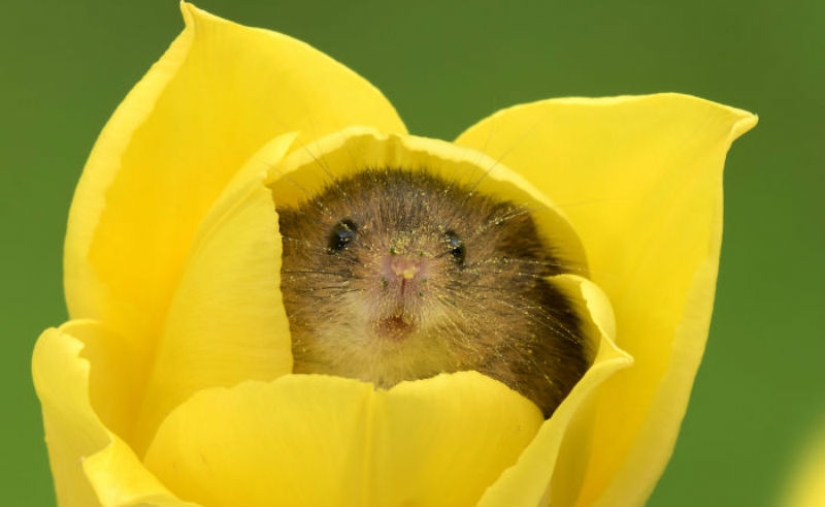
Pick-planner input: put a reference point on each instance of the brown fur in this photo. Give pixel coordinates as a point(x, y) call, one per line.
point(494, 312)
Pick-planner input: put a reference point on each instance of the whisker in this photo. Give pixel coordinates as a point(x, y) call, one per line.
point(508, 342)
point(315, 273)
point(533, 312)
point(504, 155)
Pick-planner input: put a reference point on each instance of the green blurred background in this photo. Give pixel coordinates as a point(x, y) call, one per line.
point(64, 67)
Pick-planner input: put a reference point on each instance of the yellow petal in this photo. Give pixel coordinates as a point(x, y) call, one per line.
point(806, 487)
point(78, 404)
point(641, 180)
point(226, 322)
point(553, 466)
point(219, 93)
point(304, 173)
point(317, 440)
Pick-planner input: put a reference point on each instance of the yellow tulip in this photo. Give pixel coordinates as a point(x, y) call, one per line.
point(172, 385)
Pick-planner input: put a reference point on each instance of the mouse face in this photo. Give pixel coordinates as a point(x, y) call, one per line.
point(394, 275)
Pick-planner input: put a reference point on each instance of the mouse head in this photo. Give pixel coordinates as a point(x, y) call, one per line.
point(405, 275)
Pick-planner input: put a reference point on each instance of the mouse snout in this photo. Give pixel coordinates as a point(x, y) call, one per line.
point(405, 268)
point(405, 273)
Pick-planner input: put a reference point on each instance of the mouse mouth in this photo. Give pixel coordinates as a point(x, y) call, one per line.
point(394, 328)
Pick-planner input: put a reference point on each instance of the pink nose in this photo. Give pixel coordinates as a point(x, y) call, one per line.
point(405, 268)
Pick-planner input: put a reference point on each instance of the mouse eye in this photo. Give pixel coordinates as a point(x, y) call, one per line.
point(456, 247)
point(341, 235)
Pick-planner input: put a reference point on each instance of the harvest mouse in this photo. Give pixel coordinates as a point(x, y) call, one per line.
point(392, 275)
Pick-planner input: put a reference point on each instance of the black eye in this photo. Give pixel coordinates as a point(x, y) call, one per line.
point(341, 235)
point(456, 247)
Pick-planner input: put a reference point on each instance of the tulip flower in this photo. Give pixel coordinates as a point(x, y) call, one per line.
point(172, 383)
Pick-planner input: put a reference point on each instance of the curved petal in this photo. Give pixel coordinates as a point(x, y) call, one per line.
point(76, 401)
point(218, 94)
point(226, 322)
point(551, 469)
point(641, 180)
point(302, 174)
point(318, 440)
